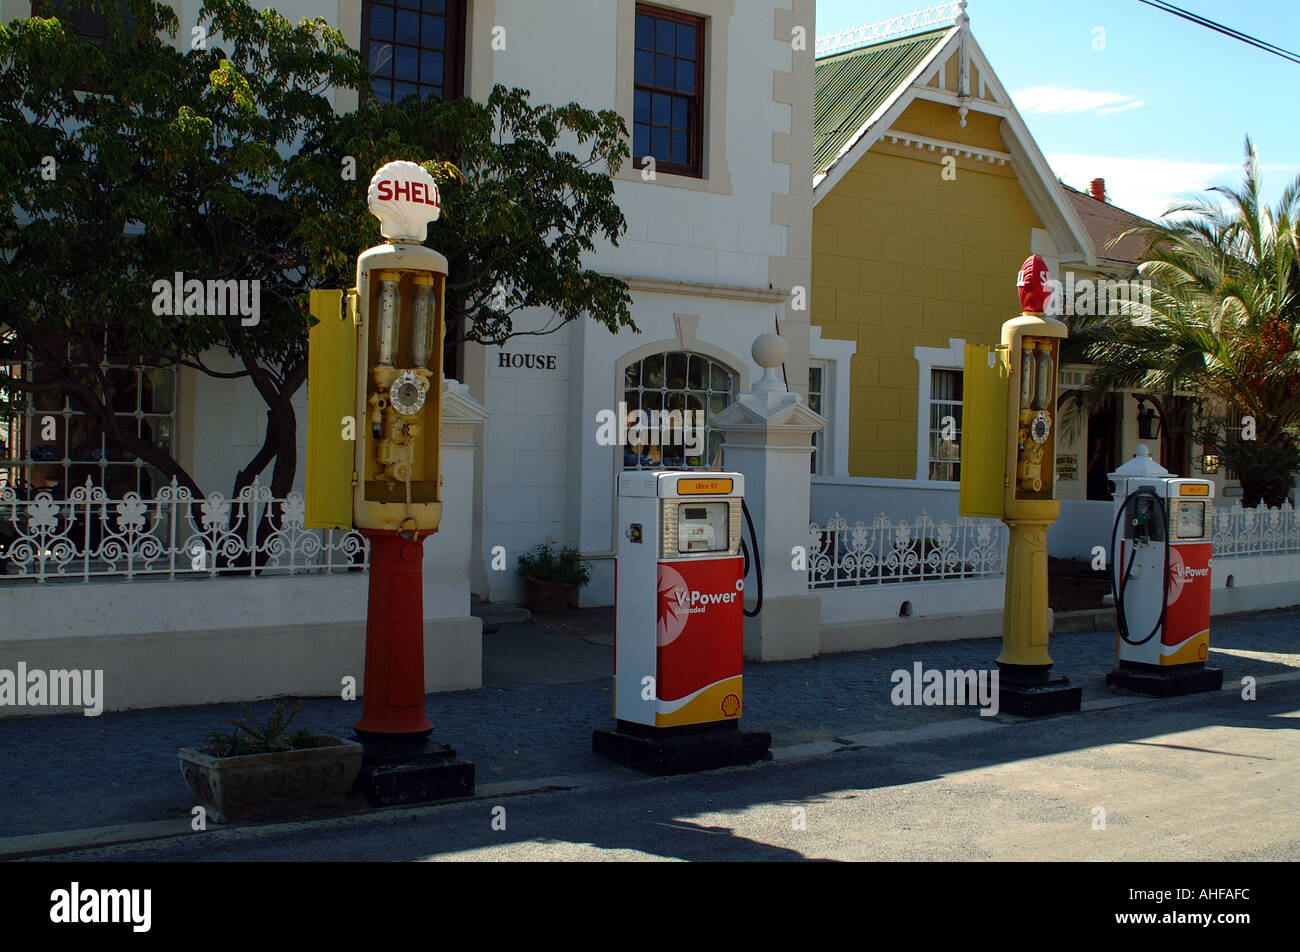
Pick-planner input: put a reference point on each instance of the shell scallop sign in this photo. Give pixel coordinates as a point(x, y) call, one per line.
point(404, 197)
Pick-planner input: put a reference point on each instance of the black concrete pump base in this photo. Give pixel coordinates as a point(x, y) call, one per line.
point(415, 770)
point(1031, 692)
point(1165, 680)
point(661, 751)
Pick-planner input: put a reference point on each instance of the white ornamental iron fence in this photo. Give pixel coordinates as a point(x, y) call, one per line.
point(1240, 532)
point(920, 551)
point(173, 535)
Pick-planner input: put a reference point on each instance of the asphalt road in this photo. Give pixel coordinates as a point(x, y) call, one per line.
point(1206, 777)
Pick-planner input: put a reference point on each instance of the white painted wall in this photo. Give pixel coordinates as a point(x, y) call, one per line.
point(920, 600)
point(862, 498)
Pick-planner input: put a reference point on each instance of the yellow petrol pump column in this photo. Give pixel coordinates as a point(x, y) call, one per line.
point(1016, 386)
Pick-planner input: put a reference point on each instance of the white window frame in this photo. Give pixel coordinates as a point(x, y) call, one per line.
point(821, 439)
point(952, 357)
point(717, 16)
point(836, 356)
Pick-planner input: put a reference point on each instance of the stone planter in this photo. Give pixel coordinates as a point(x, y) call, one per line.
point(261, 786)
point(549, 596)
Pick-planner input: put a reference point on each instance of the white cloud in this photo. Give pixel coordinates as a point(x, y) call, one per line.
point(1111, 110)
point(1043, 99)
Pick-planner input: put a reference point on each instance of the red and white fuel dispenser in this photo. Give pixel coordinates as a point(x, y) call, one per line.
point(1161, 549)
point(679, 625)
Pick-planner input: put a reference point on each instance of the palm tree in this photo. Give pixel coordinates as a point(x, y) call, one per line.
point(1223, 322)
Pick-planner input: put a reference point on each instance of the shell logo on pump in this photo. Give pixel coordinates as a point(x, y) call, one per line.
point(1031, 284)
point(405, 198)
point(674, 604)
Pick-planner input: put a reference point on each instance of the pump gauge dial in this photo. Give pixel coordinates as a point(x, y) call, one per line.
point(408, 394)
point(1040, 428)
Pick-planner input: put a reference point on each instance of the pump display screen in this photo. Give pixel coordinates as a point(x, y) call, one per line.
point(1190, 520)
point(703, 527)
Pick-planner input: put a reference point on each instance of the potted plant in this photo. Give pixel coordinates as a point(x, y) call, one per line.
point(553, 575)
point(260, 770)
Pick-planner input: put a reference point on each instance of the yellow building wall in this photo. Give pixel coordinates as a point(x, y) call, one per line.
point(904, 258)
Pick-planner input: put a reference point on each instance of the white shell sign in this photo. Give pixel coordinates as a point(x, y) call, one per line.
point(404, 197)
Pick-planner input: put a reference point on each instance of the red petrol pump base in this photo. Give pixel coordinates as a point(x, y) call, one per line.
point(400, 764)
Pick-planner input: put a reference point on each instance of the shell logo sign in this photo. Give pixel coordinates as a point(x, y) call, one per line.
point(1031, 284)
point(405, 198)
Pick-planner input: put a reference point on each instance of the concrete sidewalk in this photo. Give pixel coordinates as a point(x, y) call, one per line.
point(544, 691)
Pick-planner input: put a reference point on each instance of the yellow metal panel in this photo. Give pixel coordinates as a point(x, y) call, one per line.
point(331, 397)
point(704, 487)
point(983, 432)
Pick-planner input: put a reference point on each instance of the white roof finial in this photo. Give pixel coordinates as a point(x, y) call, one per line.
point(962, 19)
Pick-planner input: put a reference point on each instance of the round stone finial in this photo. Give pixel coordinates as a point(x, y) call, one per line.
point(769, 351)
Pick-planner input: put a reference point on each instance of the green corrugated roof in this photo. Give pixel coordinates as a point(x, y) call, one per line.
point(854, 84)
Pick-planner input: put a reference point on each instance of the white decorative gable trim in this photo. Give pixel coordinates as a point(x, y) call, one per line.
point(957, 149)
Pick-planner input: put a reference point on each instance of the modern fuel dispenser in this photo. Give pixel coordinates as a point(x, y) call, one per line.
point(679, 625)
point(1161, 557)
point(374, 402)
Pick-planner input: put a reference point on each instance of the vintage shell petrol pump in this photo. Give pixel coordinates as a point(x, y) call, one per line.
point(1161, 546)
point(679, 625)
point(1008, 472)
point(374, 391)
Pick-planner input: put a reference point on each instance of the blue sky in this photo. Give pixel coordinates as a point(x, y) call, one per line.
point(1160, 112)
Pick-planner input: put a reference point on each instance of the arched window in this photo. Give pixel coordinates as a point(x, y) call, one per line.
point(672, 400)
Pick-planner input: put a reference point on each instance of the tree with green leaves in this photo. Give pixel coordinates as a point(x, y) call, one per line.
point(1223, 323)
point(224, 158)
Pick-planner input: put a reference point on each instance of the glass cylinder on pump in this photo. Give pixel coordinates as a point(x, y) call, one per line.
point(420, 330)
point(389, 308)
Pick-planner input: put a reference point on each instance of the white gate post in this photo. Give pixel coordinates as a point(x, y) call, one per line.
point(769, 434)
point(453, 639)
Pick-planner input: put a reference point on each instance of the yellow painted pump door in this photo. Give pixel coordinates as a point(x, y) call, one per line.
point(984, 432)
point(331, 406)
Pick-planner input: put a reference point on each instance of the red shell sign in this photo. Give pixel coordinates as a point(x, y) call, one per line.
point(1033, 285)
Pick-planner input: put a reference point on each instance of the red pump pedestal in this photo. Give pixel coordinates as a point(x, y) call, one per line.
point(400, 764)
point(393, 704)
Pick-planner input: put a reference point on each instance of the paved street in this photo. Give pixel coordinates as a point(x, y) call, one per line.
point(994, 788)
point(1209, 777)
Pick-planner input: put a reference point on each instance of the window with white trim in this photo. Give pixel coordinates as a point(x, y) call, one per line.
point(818, 380)
point(945, 425)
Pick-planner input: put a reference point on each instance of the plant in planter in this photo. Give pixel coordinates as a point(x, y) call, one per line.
point(260, 770)
point(553, 575)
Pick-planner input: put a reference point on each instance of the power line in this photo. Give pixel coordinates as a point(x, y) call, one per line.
point(1225, 30)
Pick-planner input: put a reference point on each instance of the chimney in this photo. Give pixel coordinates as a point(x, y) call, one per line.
point(1098, 189)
